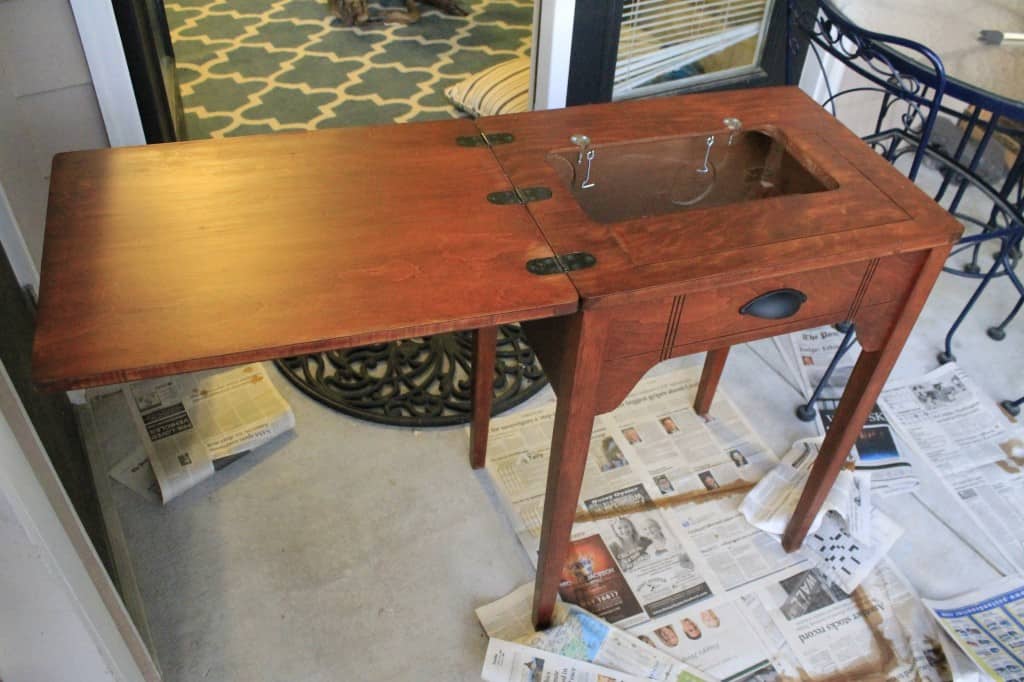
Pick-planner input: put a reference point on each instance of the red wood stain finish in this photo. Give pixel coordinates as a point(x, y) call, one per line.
point(178, 257)
point(186, 256)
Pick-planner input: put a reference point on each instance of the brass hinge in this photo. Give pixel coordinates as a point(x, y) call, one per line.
point(484, 139)
point(579, 260)
point(519, 195)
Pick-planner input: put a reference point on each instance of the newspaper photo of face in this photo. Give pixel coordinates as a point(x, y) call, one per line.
point(630, 546)
point(690, 629)
point(613, 457)
point(632, 435)
point(707, 479)
point(667, 635)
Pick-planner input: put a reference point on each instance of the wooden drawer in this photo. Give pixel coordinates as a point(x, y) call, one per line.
point(709, 315)
point(663, 324)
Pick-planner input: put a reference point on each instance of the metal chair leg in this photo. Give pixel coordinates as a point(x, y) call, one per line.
point(807, 411)
point(947, 354)
point(998, 333)
point(1012, 407)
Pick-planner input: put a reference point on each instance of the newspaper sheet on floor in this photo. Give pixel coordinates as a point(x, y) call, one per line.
point(662, 550)
point(189, 422)
point(512, 662)
point(847, 538)
point(579, 634)
point(808, 353)
point(977, 452)
point(988, 624)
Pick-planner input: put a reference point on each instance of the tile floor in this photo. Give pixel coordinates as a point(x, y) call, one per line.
point(351, 551)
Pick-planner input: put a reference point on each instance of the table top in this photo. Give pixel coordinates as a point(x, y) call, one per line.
point(951, 28)
point(874, 211)
point(179, 257)
point(185, 256)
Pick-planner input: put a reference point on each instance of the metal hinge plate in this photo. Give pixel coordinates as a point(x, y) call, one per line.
point(519, 195)
point(579, 260)
point(484, 139)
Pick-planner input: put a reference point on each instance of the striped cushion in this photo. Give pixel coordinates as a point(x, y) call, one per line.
point(501, 89)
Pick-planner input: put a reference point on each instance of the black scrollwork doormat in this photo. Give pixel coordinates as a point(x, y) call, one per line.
point(416, 382)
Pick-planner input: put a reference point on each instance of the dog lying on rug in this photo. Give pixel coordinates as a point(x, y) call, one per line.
point(357, 13)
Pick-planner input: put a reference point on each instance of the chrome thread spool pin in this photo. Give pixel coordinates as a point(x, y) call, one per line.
point(707, 155)
point(587, 184)
point(734, 125)
point(582, 141)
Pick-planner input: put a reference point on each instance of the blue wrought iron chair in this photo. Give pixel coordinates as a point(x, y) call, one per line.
point(925, 119)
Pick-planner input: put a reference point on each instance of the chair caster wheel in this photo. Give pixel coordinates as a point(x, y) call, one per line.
point(1011, 409)
point(805, 413)
point(972, 268)
point(945, 358)
point(996, 334)
point(843, 327)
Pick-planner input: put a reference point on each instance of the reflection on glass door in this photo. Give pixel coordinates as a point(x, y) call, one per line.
point(667, 44)
point(623, 49)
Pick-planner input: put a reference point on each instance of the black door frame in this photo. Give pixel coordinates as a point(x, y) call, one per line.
point(146, 39)
point(595, 45)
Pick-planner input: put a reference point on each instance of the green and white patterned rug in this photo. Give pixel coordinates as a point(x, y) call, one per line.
point(257, 66)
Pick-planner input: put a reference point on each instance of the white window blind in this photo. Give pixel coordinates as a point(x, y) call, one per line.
point(659, 37)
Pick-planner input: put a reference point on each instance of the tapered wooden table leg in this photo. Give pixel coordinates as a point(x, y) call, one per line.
point(585, 335)
point(713, 366)
point(485, 347)
point(882, 340)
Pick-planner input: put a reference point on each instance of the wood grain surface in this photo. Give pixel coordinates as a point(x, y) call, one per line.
point(703, 247)
point(179, 257)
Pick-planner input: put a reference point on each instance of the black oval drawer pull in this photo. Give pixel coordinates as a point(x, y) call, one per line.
point(775, 305)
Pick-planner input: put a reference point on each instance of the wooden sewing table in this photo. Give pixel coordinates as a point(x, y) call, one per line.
point(180, 257)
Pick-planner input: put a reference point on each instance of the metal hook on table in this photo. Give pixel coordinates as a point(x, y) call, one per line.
point(707, 155)
point(587, 184)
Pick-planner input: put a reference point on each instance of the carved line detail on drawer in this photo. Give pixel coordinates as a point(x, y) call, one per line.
point(673, 327)
point(862, 291)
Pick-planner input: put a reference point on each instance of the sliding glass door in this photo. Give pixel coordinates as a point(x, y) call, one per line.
point(623, 49)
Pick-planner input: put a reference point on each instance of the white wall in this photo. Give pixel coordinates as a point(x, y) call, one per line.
point(54, 624)
point(47, 105)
